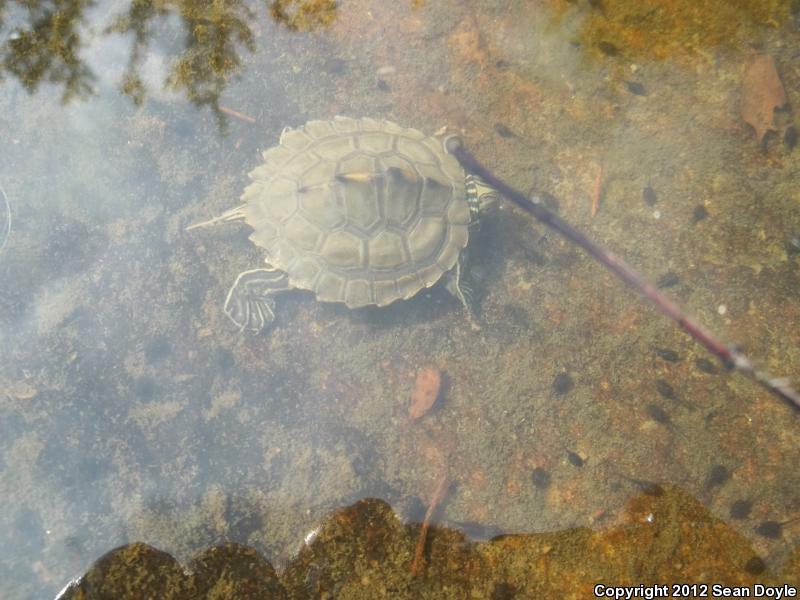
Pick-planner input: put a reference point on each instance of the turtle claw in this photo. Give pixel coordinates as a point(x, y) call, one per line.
point(252, 315)
point(455, 283)
point(249, 304)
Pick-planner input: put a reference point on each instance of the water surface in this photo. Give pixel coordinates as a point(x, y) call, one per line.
point(131, 410)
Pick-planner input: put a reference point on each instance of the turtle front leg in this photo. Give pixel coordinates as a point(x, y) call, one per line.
point(249, 304)
point(454, 282)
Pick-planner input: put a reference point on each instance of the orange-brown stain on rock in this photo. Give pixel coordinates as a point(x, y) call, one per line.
point(426, 391)
point(681, 29)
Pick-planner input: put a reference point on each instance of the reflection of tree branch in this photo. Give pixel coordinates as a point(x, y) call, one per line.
point(210, 58)
point(135, 21)
point(48, 50)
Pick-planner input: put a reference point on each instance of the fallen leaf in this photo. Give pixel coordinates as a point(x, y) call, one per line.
point(426, 390)
point(762, 93)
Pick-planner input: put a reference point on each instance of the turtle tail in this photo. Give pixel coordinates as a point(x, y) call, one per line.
point(234, 214)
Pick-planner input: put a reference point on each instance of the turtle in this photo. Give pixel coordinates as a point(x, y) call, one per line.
point(359, 211)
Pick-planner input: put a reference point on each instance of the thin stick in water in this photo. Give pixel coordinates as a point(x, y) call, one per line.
point(419, 552)
point(730, 357)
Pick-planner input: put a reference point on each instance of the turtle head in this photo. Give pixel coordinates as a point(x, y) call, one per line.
point(480, 198)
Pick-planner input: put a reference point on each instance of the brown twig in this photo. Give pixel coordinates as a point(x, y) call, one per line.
point(237, 114)
point(598, 186)
point(419, 552)
point(729, 356)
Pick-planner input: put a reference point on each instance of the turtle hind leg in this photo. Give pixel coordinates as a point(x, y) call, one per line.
point(249, 304)
point(454, 282)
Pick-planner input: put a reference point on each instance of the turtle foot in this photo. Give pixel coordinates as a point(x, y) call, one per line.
point(249, 304)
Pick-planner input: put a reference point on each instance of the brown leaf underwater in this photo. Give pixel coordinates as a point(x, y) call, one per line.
point(762, 93)
point(426, 391)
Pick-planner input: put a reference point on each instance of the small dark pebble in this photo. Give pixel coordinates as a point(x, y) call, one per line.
point(540, 477)
point(790, 137)
point(770, 529)
point(755, 566)
point(503, 591)
point(668, 355)
point(648, 487)
point(502, 64)
point(649, 195)
point(562, 384)
point(157, 349)
point(741, 509)
point(718, 475)
point(504, 131)
point(699, 213)
point(634, 87)
point(652, 489)
point(657, 414)
point(706, 366)
point(712, 414)
point(665, 389)
point(667, 280)
point(608, 49)
point(575, 459)
point(383, 86)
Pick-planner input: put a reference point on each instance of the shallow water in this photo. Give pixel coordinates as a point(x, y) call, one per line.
point(132, 410)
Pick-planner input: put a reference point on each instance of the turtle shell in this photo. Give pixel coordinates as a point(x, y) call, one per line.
point(359, 211)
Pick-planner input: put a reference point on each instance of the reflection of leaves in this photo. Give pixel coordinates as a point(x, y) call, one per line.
point(303, 15)
point(135, 21)
point(210, 57)
point(48, 49)
point(213, 31)
point(46, 46)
